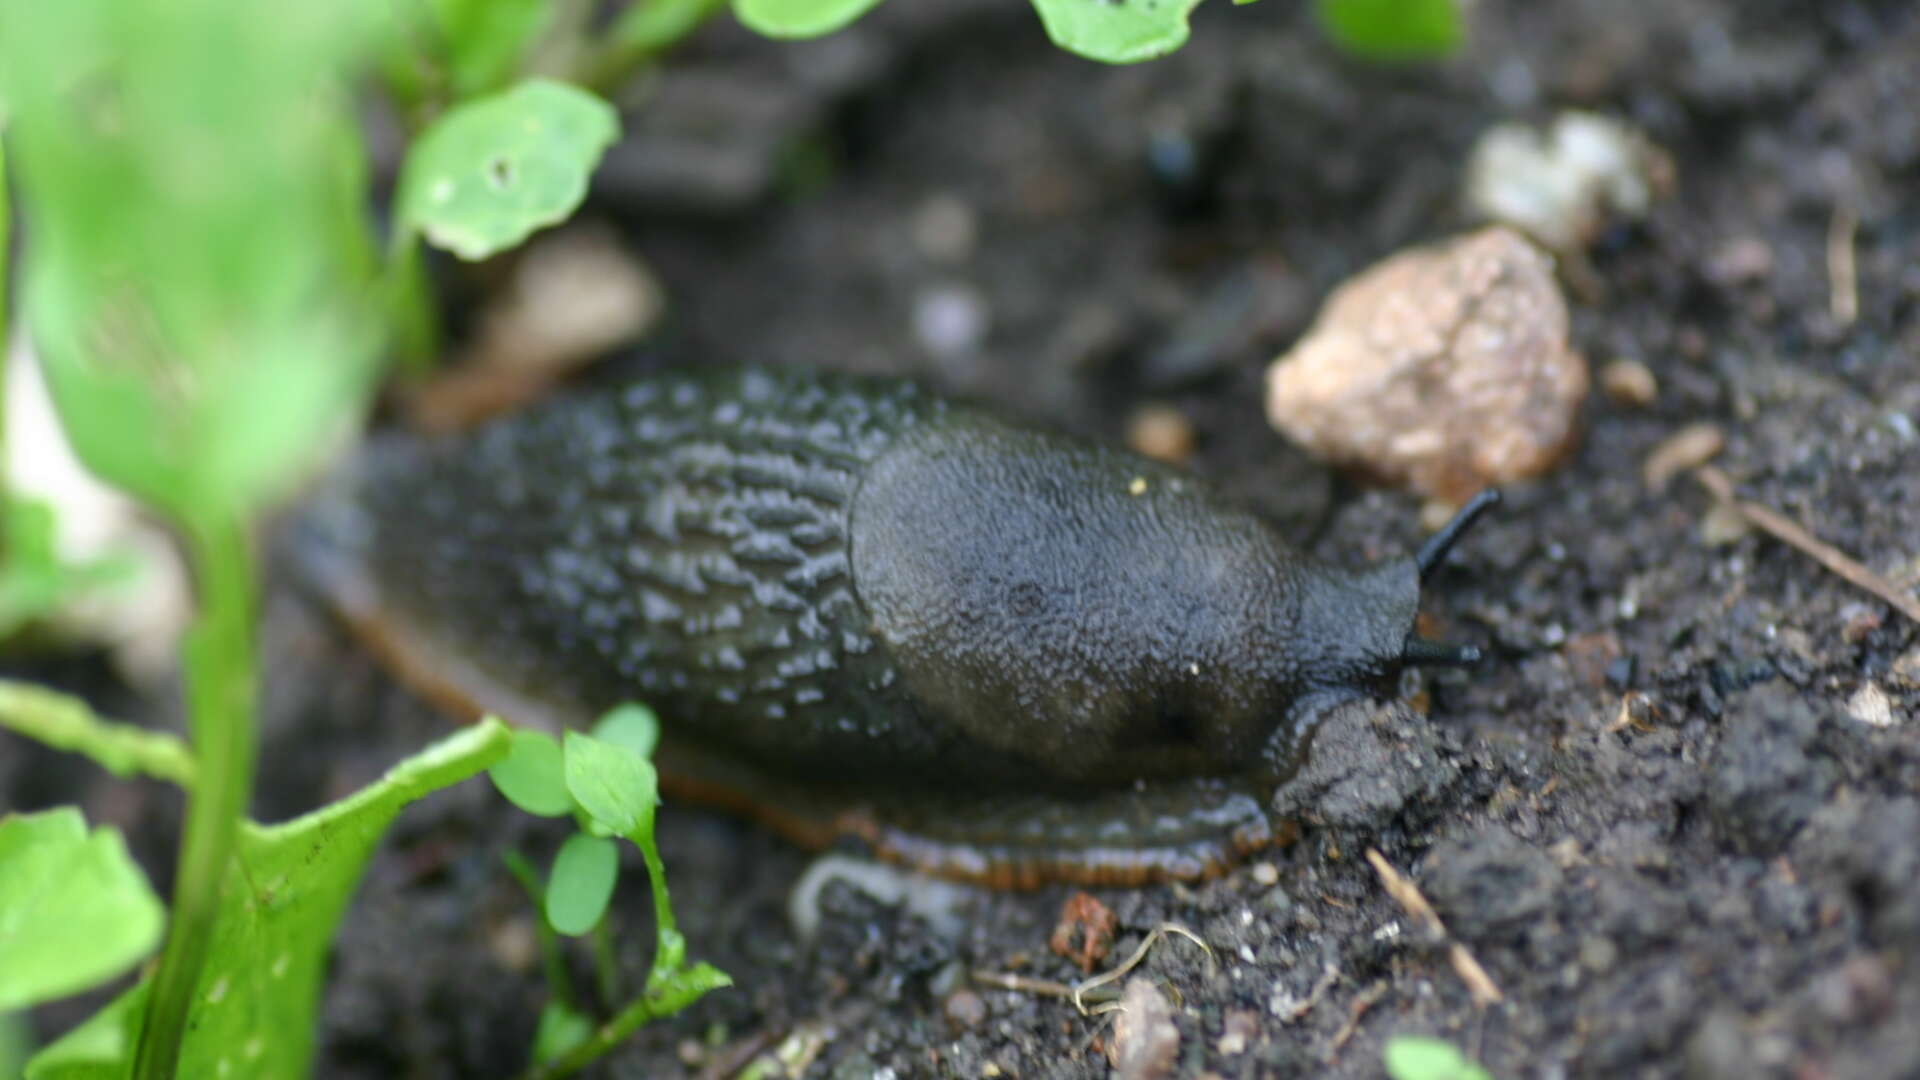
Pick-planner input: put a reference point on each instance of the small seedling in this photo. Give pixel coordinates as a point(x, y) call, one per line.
point(606, 780)
point(1420, 1057)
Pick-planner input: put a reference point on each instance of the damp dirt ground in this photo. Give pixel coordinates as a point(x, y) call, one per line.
point(1659, 818)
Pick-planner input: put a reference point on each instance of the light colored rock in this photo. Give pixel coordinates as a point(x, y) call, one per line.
point(1145, 1042)
point(1871, 706)
point(1442, 369)
point(1563, 185)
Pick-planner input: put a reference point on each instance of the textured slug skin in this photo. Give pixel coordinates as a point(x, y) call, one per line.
point(998, 653)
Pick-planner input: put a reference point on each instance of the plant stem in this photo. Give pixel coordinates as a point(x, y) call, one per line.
point(6, 355)
point(220, 697)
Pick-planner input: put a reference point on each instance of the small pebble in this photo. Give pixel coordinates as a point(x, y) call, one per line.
point(1145, 1042)
point(945, 229)
point(965, 1009)
point(1236, 1032)
point(1905, 670)
point(1441, 370)
point(1871, 706)
point(1265, 874)
point(1629, 382)
point(1161, 432)
point(1723, 526)
point(1689, 448)
point(1563, 186)
point(950, 320)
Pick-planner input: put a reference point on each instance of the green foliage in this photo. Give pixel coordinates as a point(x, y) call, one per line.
point(613, 790)
point(1117, 31)
point(490, 172)
point(74, 909)
point(200, 336)
point(280, 901)
point(581, 883)
point(531, 775)
point(799, 18)
point(1393, 30)
point(1419, 1057)
point(65, 723)
point(485, 41)
point(34, 579)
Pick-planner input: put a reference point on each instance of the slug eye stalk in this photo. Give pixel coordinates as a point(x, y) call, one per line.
point(1424, 653)
point(1434, 551)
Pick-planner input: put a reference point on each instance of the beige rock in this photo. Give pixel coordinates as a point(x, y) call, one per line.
point(1442, 370)
point(1145, 1042)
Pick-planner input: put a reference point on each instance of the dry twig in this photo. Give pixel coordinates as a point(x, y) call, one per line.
point(1355, 1011)
point(1843, 280)
point(1785, 529)
point(1479, 985)
point(1131, 962)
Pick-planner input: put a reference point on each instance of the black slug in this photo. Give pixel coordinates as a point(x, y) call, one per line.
point(993, 652)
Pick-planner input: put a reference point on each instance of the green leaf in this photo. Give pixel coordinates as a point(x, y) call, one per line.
point(65, 722)
point(34, 580)
point(648, 26)
point(799, 18)
point(561, 1029)
point(1419, 1057)
point(581, 883)
point(99, 1047)
point(633, 726)
point(1393, 30)
point(280, 903)
point(614, 785)
point(490, 172)
point(485, 39)
point(198, 275)
point(531, 775)
point(74, 909)
point(1116, 31)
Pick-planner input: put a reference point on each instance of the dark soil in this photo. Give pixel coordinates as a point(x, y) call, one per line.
point(1727, 884)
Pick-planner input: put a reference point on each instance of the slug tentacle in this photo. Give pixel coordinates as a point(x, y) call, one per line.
point(994, 652)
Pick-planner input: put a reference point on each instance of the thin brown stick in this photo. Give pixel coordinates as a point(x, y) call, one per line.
point(1480, 986)
point(1366, 1000)
point(1843, 280)
point(1131, 962)
point(1006, 980)
point(1788, 531)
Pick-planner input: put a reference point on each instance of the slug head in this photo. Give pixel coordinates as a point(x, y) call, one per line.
point(1357, 626)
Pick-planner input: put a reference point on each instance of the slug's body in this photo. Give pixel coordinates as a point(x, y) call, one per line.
point(997, 653)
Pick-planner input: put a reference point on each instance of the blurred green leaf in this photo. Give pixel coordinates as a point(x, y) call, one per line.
point(67, 723)
point(648, 26)
point(34, 580)
point(581, 883)
point(74, 908)
point(281, 900)
point(490, 172)
point(799, 18)
point(531, 775)
point(1116, 31)
point(1419, 1057)
point(99, 1047)
point(198, 274)
point(1393, 30)
point(613, 784)
point(561, 1029)
point(486, 39)
point(633, 726)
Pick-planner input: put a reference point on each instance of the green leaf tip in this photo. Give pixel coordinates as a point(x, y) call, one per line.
point(1116, 31)
point(799, 18)
point(1422, 1057)
point(1391, 31)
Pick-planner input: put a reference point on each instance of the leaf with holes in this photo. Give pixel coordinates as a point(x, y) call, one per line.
point(1116, 31)
point(490, 172)
point(282, 899)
